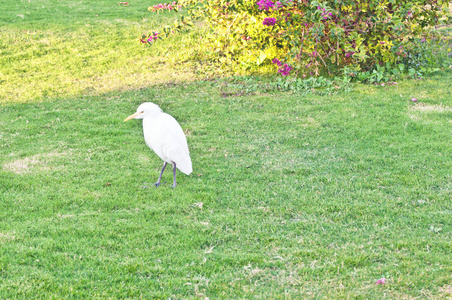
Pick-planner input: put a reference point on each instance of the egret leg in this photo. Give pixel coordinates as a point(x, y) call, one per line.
point(161, 173)
point(174, 174)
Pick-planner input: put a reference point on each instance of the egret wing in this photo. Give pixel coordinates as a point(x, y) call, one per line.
point(175, 147)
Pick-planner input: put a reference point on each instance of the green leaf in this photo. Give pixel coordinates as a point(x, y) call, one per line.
point(261, 58)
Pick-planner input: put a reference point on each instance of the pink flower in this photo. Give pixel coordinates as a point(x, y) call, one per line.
point(285, 70)
point(152, 37)
point(269, 21)
point(276, 61)
point(413, 99)
point(265, 4)
point(381, 281)
point(163, 6)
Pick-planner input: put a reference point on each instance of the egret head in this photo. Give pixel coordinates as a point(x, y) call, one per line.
point(144, 110)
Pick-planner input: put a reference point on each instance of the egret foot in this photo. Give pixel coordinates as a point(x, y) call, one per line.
point(157, 184)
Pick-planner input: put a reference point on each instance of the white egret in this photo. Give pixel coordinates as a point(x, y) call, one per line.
point(164, 135)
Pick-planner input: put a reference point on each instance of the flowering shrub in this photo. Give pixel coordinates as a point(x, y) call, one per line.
point(167, 30)
point(164, 6)
point(315, 36)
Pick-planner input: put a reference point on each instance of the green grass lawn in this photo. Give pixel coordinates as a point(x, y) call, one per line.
point(291, 196)
point(69, 48)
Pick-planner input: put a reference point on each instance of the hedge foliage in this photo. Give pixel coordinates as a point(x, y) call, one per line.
point(308, 37)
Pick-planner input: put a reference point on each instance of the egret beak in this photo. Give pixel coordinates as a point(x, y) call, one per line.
point(133, 116)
